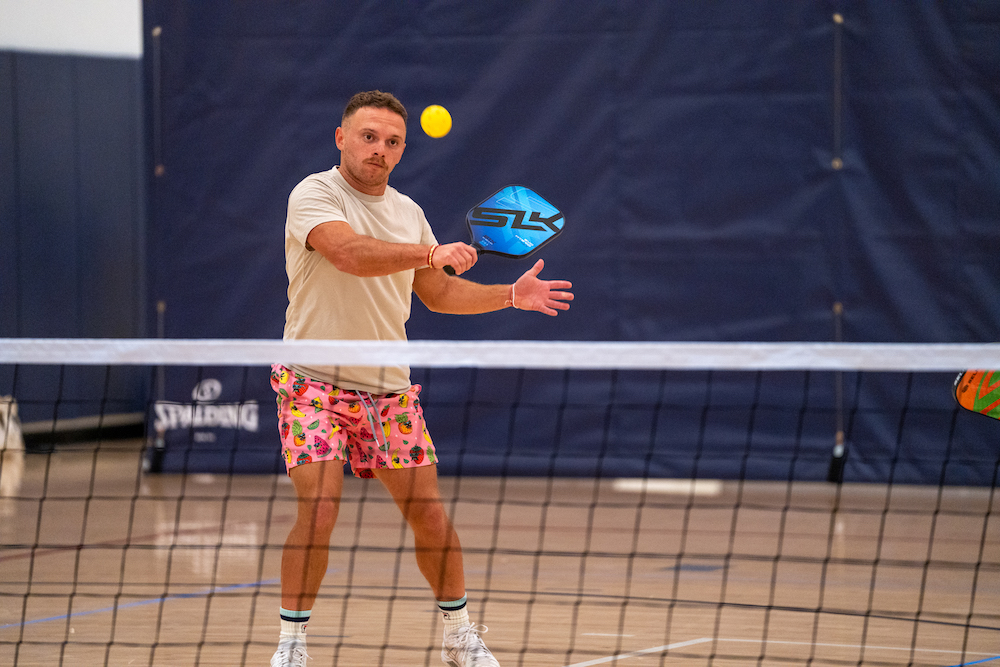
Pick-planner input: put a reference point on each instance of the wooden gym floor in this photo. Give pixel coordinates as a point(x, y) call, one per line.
point(101, 564)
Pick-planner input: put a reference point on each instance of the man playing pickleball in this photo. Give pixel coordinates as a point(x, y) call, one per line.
point(355, 250)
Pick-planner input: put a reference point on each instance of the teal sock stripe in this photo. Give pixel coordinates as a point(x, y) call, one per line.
point(452, 605)
point(295, 616)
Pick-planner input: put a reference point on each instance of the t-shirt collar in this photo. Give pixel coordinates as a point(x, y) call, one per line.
point(339, 178)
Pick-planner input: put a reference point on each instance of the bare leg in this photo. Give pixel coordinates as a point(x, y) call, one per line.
point(439, 553)
point(304, 558)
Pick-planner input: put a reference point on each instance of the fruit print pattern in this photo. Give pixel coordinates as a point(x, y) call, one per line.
point(321, 447)
point(320, 422)
point(403, 424)
point(417, 454)
point(298, 433)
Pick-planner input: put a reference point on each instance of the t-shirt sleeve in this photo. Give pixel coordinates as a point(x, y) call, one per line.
point(311, 204)
point(426, 233)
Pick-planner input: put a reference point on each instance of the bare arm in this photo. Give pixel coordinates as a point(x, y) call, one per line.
point(365, 256)
point(447, 294)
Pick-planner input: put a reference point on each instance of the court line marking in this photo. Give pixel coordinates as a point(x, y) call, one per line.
point(134, 541)
point(140, 603)
point(645, 651)
point(692, 642)
point(977, 662)
point(693, 487)
point(867, 648)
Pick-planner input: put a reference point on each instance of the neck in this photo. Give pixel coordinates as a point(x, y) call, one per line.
point(375, 190)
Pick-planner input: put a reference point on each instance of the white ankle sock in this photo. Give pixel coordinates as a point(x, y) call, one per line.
point(455, 619)
point(293, 629)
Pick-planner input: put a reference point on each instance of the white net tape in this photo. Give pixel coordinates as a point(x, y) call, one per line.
point(506, 354)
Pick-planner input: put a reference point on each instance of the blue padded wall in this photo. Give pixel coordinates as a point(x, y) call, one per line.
point(728, 171)
point(72, 221)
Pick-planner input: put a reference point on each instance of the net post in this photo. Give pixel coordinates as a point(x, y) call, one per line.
point(152, 462)
point(835, 474)
point(838, 458)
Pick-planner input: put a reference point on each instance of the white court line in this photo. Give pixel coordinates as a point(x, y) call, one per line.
point(692, 487)
point(645, 651)
point(867, 648)
point(692, 642)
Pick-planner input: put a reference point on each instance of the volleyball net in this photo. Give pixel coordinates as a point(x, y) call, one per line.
point(617, 503)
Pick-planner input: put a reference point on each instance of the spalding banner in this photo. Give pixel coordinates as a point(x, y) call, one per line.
point(203, 416)
point(217, 426)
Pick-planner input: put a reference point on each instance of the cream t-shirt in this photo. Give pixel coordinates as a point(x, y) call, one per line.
point(326, 303)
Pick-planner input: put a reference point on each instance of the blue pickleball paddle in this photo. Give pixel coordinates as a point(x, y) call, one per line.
point(513, 222)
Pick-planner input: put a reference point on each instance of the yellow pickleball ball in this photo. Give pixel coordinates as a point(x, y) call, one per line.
point(436, 121)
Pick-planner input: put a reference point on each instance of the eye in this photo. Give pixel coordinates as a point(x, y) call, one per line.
point(368, 136)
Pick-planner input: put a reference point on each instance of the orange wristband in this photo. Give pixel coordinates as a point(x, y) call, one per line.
point(430, 256)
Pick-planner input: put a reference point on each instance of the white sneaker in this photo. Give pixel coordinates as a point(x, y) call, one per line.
point(465, 648)
point(290, 654)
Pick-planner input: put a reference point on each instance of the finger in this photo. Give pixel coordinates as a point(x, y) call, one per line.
point(536, 269)
point(462, 267)
point(472, 254)
point(466, 250)
point(553, 300)
point(459, 256)
point(464, 256)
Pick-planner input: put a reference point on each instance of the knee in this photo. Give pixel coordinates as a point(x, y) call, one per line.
point(428, 517)
point(320, 516)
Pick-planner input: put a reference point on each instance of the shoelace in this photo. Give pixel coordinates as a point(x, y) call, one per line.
point(474, 644)
point(296, 655)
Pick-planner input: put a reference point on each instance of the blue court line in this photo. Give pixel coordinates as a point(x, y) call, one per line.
point(140, 603)
point(977, 662)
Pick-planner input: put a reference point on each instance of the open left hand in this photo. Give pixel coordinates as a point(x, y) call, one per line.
point(545, 296)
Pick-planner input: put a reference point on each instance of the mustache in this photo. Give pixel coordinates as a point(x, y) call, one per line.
point(376, 161)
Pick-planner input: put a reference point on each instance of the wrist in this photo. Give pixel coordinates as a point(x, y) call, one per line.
point(510, 301)
point(430, 255)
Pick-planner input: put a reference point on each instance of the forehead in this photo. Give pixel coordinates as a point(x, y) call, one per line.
point(381, 120)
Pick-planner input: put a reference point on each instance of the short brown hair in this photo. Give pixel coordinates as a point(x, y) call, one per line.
point(374, 98)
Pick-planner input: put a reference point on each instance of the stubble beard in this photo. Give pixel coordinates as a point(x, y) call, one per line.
point(380, 177)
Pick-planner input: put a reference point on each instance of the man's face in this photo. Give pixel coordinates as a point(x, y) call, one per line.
point(371, 142)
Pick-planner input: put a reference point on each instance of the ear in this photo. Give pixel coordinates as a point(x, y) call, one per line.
point(339, 138)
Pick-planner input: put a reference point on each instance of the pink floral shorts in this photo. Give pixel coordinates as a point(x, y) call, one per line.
point(320, 422)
